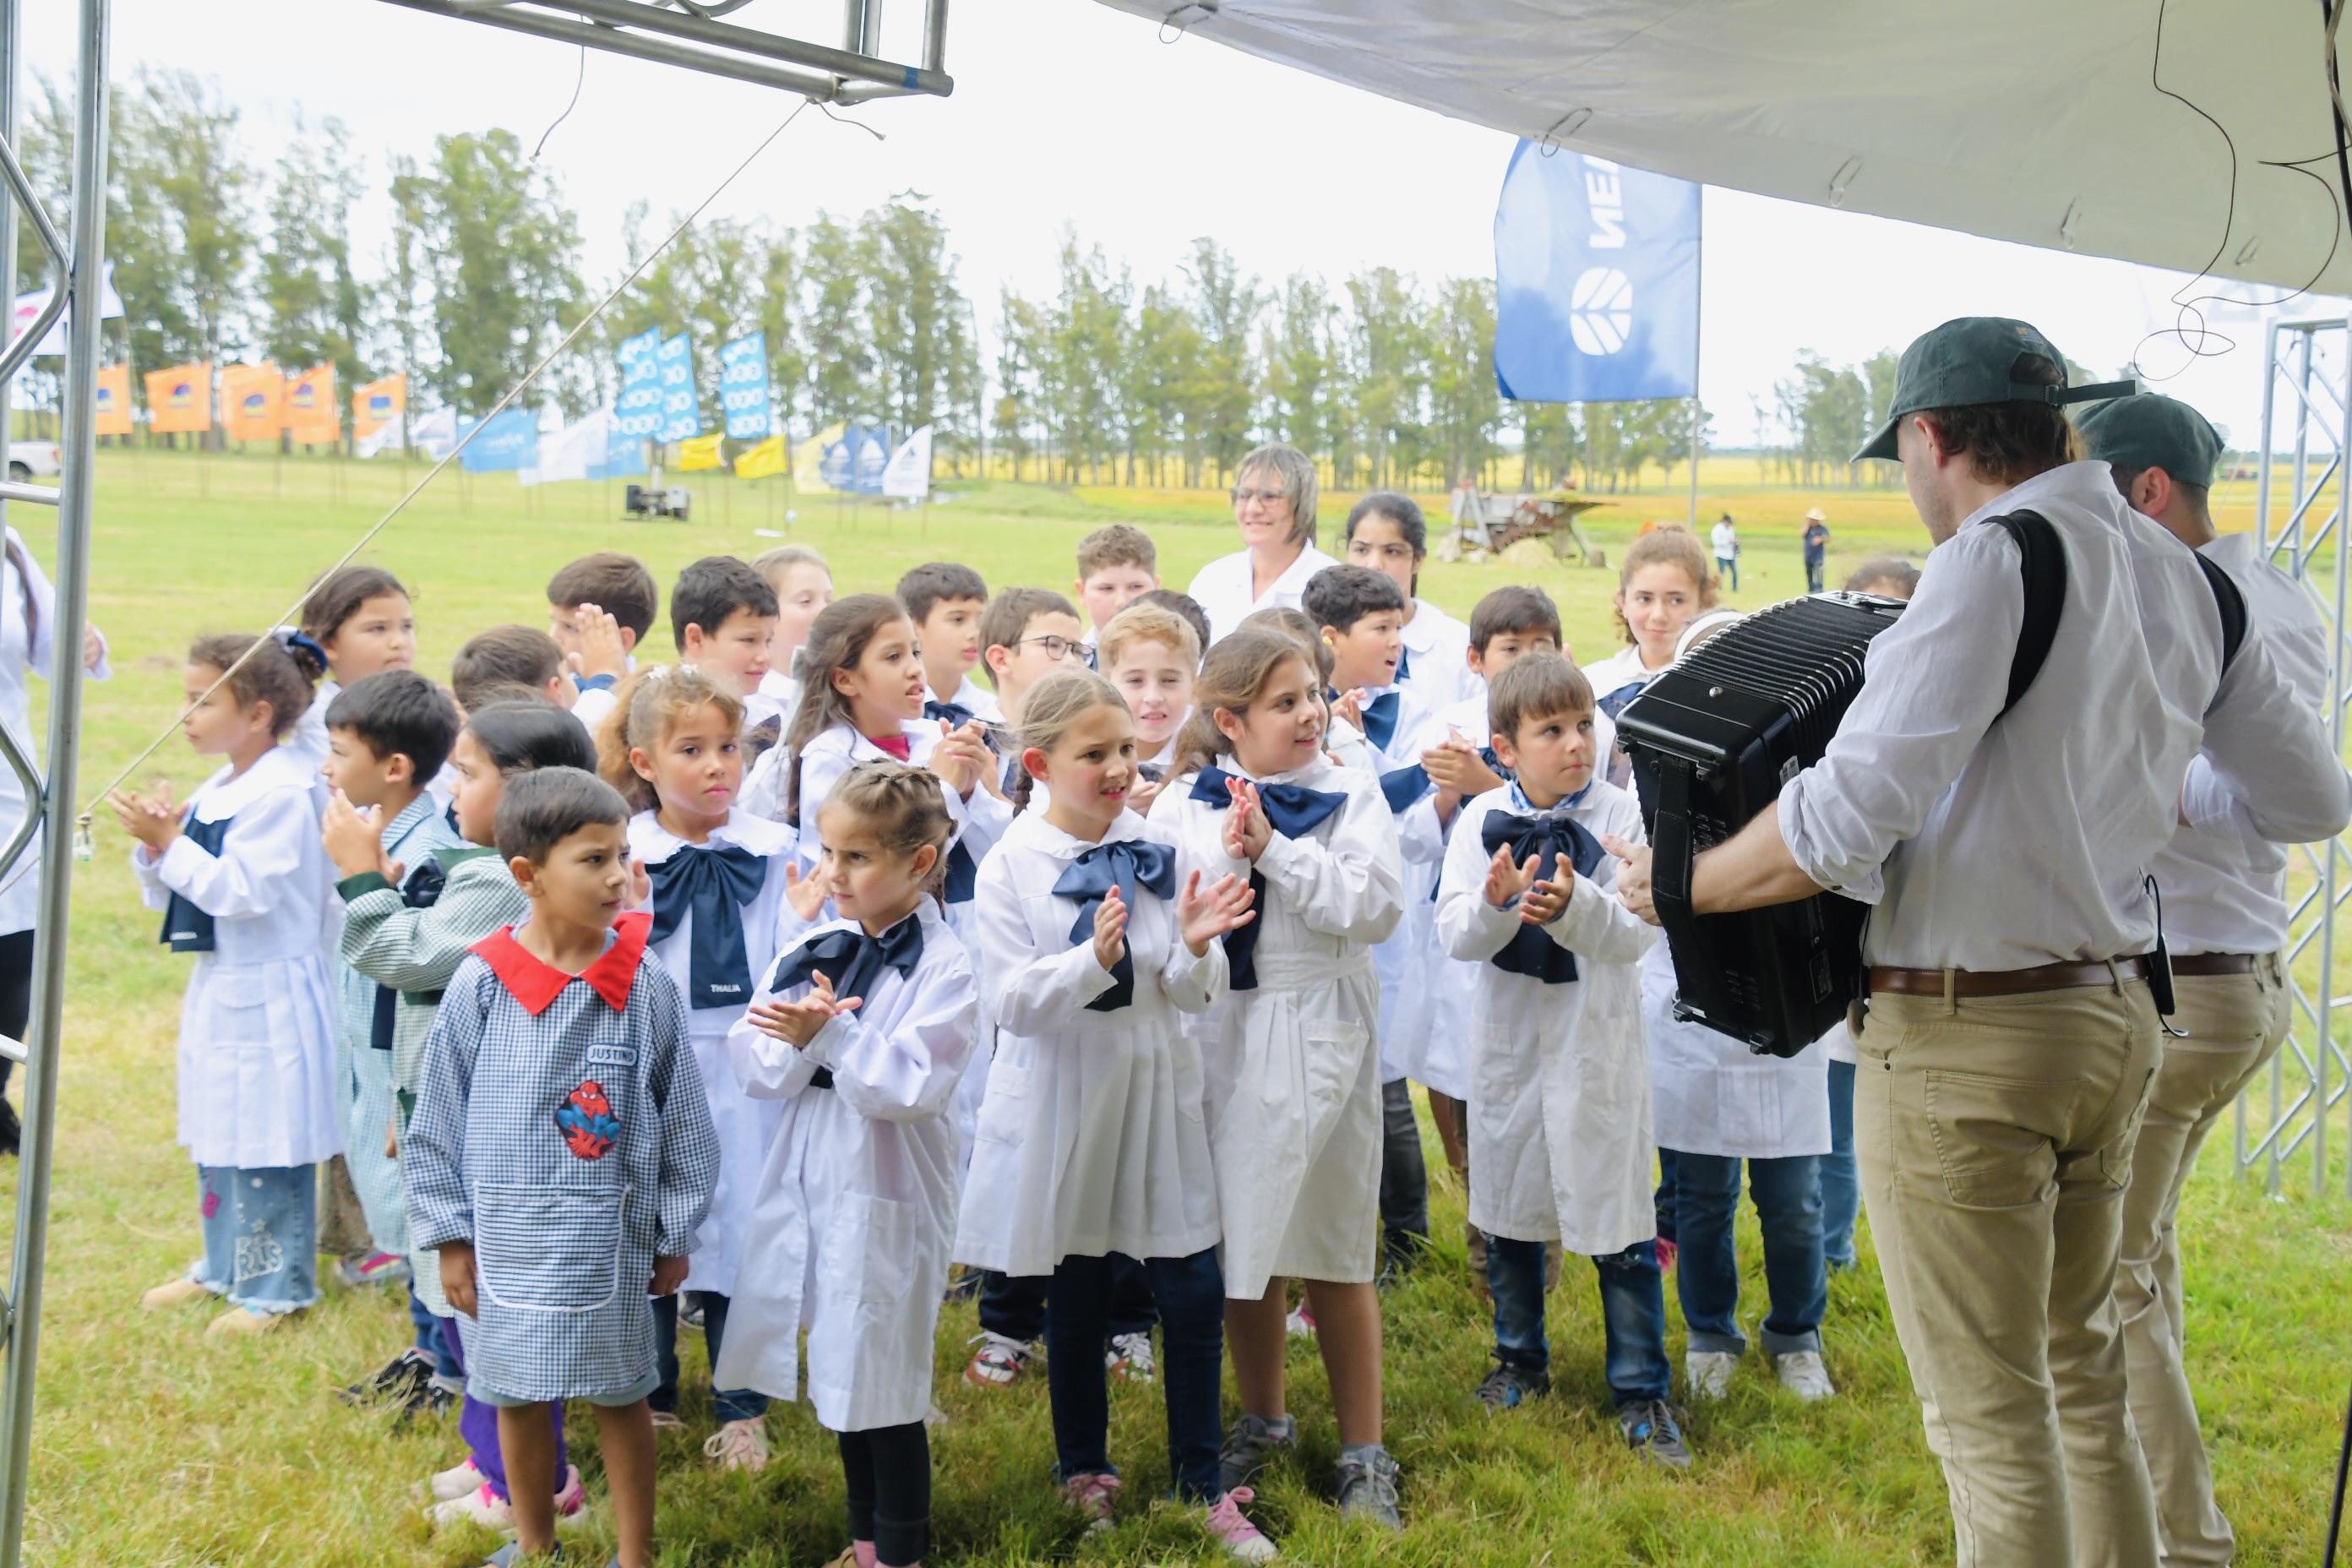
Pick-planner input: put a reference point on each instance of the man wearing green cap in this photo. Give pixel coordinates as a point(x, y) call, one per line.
point(2225, 920)
point(2011, 1032)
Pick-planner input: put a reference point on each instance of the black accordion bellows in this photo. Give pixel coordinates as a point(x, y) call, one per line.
point(1711, 741)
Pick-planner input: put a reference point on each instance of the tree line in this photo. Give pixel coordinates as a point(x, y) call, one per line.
point(1387, 380)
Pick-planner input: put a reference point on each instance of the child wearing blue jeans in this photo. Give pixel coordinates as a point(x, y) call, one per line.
point(1559, 1106)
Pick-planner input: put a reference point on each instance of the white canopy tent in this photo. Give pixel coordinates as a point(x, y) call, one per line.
point(2020, 120)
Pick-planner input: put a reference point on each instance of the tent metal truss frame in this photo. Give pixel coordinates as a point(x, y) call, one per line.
point(2283, 1117)
point(689, 34)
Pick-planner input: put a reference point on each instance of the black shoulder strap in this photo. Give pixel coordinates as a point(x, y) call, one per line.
point(2045, 571)
point(2229, 601)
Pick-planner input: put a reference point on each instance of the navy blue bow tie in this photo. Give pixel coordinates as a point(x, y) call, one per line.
point(852, 960)
point(713, 884)
point(422, 890)
point(1404, 663)
point(1379, 716)
point(1294, 811)
point(1613, 704)
point(1530, 951)
point(955, 714)
point(1129, 865)
point(188, 929)
point(1152, 772)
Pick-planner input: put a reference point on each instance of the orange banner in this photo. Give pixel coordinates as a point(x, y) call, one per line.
point(114, 400)
point(180, 399)
point(312, 416)
point(377, 405)
point(253, 402)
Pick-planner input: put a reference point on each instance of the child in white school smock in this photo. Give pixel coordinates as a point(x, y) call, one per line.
point(720, 877)
point(861, 1030)
point(1294, 1107)
point(242, 881)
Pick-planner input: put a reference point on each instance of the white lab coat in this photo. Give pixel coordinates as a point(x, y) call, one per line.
point(256, 1058)
point(1437, 658)
point(1402, 960)
point(744, 1125)
point(1715, 1095)
point(850, 1228)
point(1223, 588)
point(1091, 1138)
point(1294, 1072)
point(309, 736)
point(1560, 1090)
point(24, 652)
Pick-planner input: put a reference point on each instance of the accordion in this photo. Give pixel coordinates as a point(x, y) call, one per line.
point(1712, 740)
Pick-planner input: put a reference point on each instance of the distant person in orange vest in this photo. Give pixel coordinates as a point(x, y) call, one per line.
point(1817, 547)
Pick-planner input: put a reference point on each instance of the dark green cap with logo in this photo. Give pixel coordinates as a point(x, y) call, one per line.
point(1977, 360)
point(2147, 431)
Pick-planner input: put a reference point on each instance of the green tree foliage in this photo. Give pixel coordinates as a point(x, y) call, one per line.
point(503, 253)
point(312, 307)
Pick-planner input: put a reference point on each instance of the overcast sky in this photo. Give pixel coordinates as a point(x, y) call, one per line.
point(1068, 113)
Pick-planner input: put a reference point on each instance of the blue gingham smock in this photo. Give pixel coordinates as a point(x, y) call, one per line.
point(562, 1130)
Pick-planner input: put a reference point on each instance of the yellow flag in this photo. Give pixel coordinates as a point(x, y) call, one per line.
point(808, 459)
point(700, 452)
point(763, 461)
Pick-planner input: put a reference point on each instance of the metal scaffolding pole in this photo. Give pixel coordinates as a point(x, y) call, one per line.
point(2307, 408)
point(77, 256)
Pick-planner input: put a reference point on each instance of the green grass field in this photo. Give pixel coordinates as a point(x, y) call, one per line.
point(154, 1448)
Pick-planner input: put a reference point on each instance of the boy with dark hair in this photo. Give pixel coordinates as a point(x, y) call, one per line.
point(599, 608)
point(386, 736)
point(1562, 1101)
point(509, 657)
point(1024, 635)
point(1360, 614)
point(1184, 604)
point(562, 1152)
point(723, 615)
point(1118, 563)
point(946, 599)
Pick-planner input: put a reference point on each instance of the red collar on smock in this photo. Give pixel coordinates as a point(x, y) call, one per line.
point(536, 983)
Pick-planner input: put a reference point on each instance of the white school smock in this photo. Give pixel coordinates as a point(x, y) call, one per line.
point(1223, 588)
point(256, 1057)
point(744, 1125)
point(1559, 1092)
point(1437, 658)
point(1401, 959)
point(1294, 1072)
point(1091, 1138)
point(850, 1228)
point(309, 736)
point(1715, 1095)
point(24, 652)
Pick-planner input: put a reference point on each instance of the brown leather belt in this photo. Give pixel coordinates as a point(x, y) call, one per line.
point(2005, 982)
point(2204, 963)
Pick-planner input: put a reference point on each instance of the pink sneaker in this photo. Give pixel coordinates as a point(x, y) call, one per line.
point(1091, 1496)
point(456, 1480)
point(486, 1508)
point(1235, 1533)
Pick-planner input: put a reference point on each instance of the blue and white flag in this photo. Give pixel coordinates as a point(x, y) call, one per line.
point(509, 442)
point(743, 388)
point(681, 414)
point(1596, 282)
point(636, 412)
point(873, 457)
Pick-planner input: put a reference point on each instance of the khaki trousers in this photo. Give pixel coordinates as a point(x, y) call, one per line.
point(1993, 1139)
point(2234, 1024)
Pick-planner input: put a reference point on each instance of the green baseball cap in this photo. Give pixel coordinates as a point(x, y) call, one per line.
point(2148, 431)
point(1975, 360)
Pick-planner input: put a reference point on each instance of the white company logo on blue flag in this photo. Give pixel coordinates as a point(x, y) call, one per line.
point(681, 415)
point(509, 442)
point(873, 457)
point(1596, 282)
point(743, 388)
point(636, 413)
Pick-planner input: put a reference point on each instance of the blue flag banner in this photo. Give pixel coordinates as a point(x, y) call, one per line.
point(509, 442)
point(681, 415)
point(743, 388)
point(636, 413)
point(1596, 282)
point(873, 458)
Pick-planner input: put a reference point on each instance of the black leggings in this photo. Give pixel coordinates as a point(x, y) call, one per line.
point(888, 1469)
point(15, 990)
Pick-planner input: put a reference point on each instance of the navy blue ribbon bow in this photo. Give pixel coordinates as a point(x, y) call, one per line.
point(1152, 772)
point(713, 884)
point(1129, 864)
point(422, 890)
point(188, 929)
point(1379, 716)
point(1294, 811)
point(1404, 663)
point(1532, 952)
point(850, 959)
point(955, 714)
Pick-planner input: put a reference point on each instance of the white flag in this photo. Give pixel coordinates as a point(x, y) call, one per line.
point(29, 305)
point(569, 453)
point(910, 473)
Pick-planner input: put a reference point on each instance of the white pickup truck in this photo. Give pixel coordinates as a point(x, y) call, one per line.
point(32, 460)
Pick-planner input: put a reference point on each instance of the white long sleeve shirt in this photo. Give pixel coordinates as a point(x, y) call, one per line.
point(1993, 847)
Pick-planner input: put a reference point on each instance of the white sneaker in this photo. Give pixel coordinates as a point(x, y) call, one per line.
point(998, 1361)
point(484, 1507)
point(739, 1445)
point(1802, 1374)
point(1301, 1323)
point(1130, 1358)
point(1709, 1372)
point(456, 1481)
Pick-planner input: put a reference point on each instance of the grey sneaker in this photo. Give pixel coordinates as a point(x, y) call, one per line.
point(1509, 1385)
point(1652, 1432)
point(1251, 1442)
point(1368, 1489)
point(1802, 1374)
